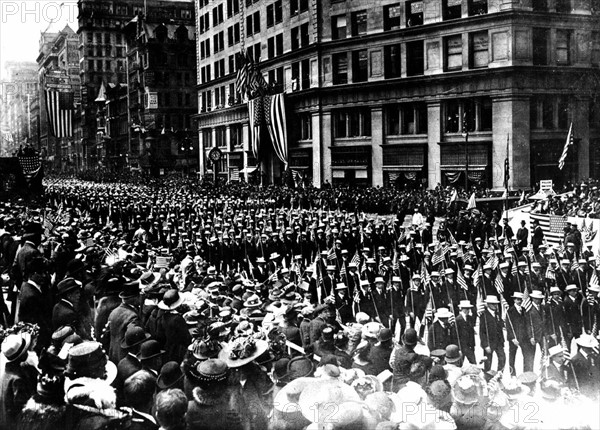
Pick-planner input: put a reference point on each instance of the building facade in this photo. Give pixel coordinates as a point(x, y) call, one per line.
point(58, 71)
point(412, 93)
point(18, 100)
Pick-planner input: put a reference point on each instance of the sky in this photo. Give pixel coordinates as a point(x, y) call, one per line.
point(23, 21)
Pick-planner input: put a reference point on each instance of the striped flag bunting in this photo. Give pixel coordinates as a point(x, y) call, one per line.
point(275, 120)
point(241, 80)
point(493, 261)
point(526, 300)
point(425, 277)
point(499, 285)
point(453, 242)
point(331, 254)
point(356, 259)
point(477, 278)
point(460, 279)
point(255, 115)
point(569, 142)
point(439, 254)
point(552, 226)
point(60, 108)
point(575, 264)
point(594, 277)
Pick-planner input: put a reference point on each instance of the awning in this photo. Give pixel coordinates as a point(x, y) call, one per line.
point(248, 170)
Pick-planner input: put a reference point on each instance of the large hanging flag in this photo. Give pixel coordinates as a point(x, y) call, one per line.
point(277, 125)
point(553, 227)
point(569, 142)
point(60, 108)
point(255, 115)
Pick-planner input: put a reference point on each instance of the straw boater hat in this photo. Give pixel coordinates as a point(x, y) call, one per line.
point(492, 300)
point(536, 294)
point(242, 351)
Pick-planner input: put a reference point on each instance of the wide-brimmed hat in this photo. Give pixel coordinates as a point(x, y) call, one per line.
point(440, 393)
point(587, 341)
point(130, 290)
point(384, 335)
point(465, 304)
point(150, 349)
point(16, 346)
point(242, 350)
point(171, 300)
point(468, 389)
point(492, 300)
point(536, 294)
point(170, 375)
point(253, 302)
point(88, 359)
point(517, 295)
point(134, 335)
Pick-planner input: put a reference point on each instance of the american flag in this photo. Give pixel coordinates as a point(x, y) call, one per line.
point(31, 166)
point(241, 80)
point(569, 142)
point(504, 305)
point(60, 107)
point(439, 254)
point(594, 277)
point(553, 227)
point(331, 254)
point(499, 284)
point(459, 251)
point(276, 122)
point(255, 115)
point(460, 279)
point(493, 261)
point(526, 300)
point(356, 259)
point(575, 264)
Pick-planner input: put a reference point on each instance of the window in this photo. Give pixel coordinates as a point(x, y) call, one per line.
point(107, 38)
point(233, 7)
point(298, 6)
point(91, 65)
point(254, 52)
point(205, 49)
point(360, 66)
point(207, 137)
point(468, 115)
point(340, 68)
point(186, 14)
point(274, 13)
point(359, 23)
point(453, 53)
point(276, 79)
point(415, 61)
point(478, 7)
point(253, 23)
point(217, 15)
point(451, 9)
point(563, 113)
point(233, 34)
point(299, 36)
point(275, 46)
point(232, 63)
point(220, 100)
point(296, 76)
point(305, 82)
point(219, 68)
point(479, 56)
point(414, 13)
point(540, 46)
point(219, 41)
point(204, 23)
point(563, 47)
point(391, 58)
point(338, 27)
point(108, 65)
point(235, 135)
point(391, 17)
point(595, 48)
point(352, 123)
point(406, 119)
point(305, 126)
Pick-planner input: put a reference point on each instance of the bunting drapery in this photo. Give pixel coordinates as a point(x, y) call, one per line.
point(276, 124)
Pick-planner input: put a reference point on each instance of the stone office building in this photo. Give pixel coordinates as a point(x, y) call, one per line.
point(410, 93)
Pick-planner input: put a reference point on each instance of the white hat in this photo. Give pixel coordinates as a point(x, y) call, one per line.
point(504, 265)
point(435, 273)
point(571, 287)
point(587, 341)
point(465, 304)
point(536, 294)
point(379, 279)
point(443, 313)
point(396, 279)
point(487, 266)
point(517, 295)
point(449, 271)
point(595, 288)
point(491, 300)
point(555, 350)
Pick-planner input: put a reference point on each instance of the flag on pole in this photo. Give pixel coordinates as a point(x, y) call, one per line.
point(569, 142)
point(255, 115)
point(526, 300)
point(60, 107)
point(471, 204)
point(331, 254)
point(460, 279)
point(275, 120)
point(505, 194)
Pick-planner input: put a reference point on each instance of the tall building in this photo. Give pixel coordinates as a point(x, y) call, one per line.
point(411, 93)
point(112, 55)
point(18, 98)
point(58, 74)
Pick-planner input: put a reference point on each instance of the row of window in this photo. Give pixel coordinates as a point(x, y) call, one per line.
point(107, 51)
point(106, 38)
point(220, 136)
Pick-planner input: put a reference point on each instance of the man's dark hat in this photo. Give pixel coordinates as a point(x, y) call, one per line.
point(170, 375)
point(134, 336)
point(150, 349)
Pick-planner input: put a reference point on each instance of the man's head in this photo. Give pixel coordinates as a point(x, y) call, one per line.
point(138, 391)
point(170, 407)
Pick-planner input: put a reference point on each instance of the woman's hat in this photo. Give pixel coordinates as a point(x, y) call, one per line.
point(212, 371)
point(468, 389)
point(89, 360)
point(242, 350)
point(253, 302)
point(203, 349)
point(170, 375)
point(171, 300)
point(16, 345)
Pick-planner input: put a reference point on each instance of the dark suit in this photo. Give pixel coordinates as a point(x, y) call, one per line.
point(491, 335)
point(441, 336)
point(64, 313)
point(466, 336)
point(36, 308)
point(382, 303)
point(105, 306)
point(516, 328)
point(20, 270)
point(536, 319)
point(379, 356)
point(177, 336)
point(119, 319)
point(573, 316)
point(587, 374)
point(17, 385)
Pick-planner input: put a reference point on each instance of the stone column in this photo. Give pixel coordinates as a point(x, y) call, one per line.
point(434, 136)
point(376, 146)
point(511, 119)
point(316, 149)
point(326, 143)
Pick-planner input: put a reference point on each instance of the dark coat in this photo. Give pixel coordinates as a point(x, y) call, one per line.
point(177, 336)
point(19, 269)
point(440, 337)
point(127, 367)
point(119, 319)
point(536, 320)
point(105, 306)
point(517, 325)
point(222, 408)
point(466, 332)
point(490, 331)
point(588, 375)
point(17, 385)
point(36, 308)
point(379, 356)
point(64, 313)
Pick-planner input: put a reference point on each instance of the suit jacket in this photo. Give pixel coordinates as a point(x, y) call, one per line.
point(441, 336)
point(490, 331)
point(466, 332)
point(64, 313)
point(517, 325)
point(379, 356)
point(17, 385)
point(36, 308)
point(587, 374)
point(536, 321)
point(177, 336)
point(572, 314)
point(119, 319)
point(19, 269)
point(105, 306)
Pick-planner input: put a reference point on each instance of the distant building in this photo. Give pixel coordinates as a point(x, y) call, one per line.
point(108, 57)
point(60, 85)
point(390, 92)
point(18, 100)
